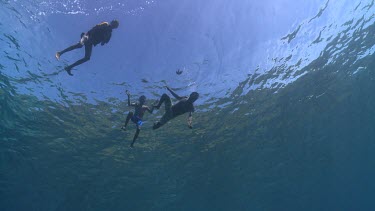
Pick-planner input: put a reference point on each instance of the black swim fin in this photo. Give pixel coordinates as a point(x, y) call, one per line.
point(68, 70)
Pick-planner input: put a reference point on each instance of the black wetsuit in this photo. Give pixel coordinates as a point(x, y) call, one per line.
point(183, 106)
point(171, 111)
point(100, 33)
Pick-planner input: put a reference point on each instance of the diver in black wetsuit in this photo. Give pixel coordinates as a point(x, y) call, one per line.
point(137, 116)
point(184, 105)
point(100, 33)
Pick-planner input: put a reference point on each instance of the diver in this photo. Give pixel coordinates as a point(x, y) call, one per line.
point(137, 116)
point(100, 33)
point(179, 72)
point(184, 105)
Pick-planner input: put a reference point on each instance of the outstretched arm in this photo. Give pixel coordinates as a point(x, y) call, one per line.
point(128, 94)
point(149, 110)
point(190, 120)
point(173, 93)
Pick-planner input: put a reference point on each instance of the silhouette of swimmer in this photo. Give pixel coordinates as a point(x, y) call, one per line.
point(100, 33)
point(184, 105)
point(136, 117)
point(179, 72)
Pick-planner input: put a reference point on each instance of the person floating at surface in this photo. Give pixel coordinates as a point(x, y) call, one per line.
point(137, 116)
point(100, 33)
point(184, 105)
point(179, 72)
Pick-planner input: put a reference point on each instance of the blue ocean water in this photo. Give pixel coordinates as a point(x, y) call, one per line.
point(284, 120)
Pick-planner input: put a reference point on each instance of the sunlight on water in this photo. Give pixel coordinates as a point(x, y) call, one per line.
point(284, 119)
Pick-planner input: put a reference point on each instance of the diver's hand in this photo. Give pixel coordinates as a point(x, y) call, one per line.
point(127, 92)
point(190, 122)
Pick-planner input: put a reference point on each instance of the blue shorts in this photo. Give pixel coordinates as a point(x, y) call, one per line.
point(137, 120)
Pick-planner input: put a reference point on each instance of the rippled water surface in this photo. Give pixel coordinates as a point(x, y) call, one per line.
point(285, 119)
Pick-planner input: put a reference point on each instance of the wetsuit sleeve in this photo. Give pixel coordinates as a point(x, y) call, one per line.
point(107, 38)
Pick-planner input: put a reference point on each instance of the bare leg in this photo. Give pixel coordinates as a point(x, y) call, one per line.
point(135, 137)
point(130, 115)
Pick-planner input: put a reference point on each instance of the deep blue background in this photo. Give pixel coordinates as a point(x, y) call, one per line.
point(284, 122)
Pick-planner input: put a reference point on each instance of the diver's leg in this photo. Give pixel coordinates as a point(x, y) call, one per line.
point(164, 119)
point(130, 115)
point(168, 111)
point(164, 98)
point(135, 137)
point(157, 125)
point(75, 46)
point(88, 50)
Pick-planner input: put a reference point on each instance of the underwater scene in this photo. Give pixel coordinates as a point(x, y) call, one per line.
point(187, 105)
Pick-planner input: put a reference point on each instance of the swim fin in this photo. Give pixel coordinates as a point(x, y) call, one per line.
point(68, 70)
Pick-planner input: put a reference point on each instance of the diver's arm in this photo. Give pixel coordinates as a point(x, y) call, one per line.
point(107, 38)
point(149, 110)
point(128, 94)
point(129, 104)
point(173, 93)
point(190, 120)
